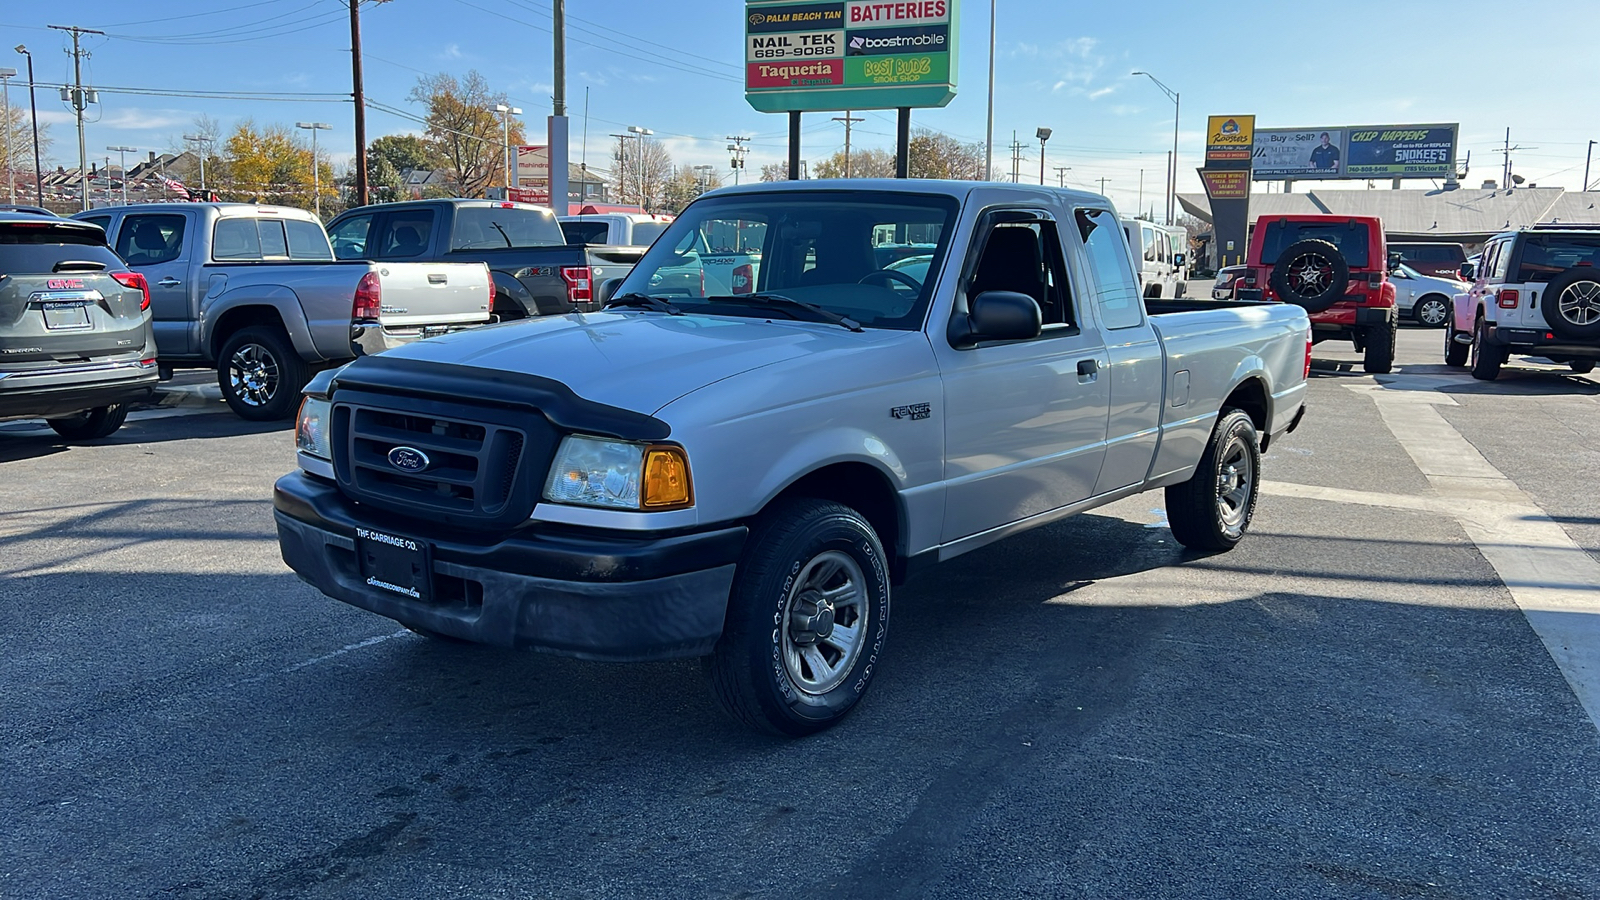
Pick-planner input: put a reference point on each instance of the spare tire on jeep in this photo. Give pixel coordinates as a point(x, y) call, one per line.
point(1571, 304)
point(1311, 274)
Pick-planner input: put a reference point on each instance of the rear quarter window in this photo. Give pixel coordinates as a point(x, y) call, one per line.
point(1544, 256)
point(37, 251)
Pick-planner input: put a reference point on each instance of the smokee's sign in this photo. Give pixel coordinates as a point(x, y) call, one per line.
point(854, 54)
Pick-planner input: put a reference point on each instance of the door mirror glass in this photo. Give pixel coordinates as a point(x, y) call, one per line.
point(1179, 259)
point(1468, 271)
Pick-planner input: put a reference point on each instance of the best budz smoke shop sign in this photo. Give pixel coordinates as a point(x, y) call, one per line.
point(860, 54)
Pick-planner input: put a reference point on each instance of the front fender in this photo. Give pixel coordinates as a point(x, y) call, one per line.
point(1462, 312)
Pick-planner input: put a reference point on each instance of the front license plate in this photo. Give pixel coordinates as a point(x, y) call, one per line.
point(65, 316)
point(394, 564)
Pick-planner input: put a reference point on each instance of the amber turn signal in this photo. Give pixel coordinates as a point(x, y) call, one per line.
point(666, 479)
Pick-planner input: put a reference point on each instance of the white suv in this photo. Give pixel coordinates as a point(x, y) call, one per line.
point(1537, 292)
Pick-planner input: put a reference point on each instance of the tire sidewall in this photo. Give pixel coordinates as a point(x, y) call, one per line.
point(1240, 426)
point(286, 396)
point(830, 531)
point(1550, 305)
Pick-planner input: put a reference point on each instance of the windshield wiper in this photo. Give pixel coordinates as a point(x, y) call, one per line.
point(780, 300)
point(643, 301)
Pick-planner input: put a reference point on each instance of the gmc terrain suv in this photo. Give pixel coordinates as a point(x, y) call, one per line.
point(75, 341)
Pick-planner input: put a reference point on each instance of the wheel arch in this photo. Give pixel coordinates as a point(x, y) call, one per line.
point(274, 306)
point(864, 487)
point(1251, 397)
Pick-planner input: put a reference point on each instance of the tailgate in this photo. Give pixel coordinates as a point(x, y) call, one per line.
point(50, 319)
point(612, 261)
point(421, 294)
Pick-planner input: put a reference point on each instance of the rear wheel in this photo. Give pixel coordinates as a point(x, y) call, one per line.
point(91, 424)
point(1486, 358)
point(1581, 366)
point(1432, 311)
point(806, 620)
point(1379, 351)
point(1213, 509)
point(260, 374)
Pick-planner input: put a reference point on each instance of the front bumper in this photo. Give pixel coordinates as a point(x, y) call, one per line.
point(63, 390)
point(582, 593)
point(1538, 342)
point(372, 338)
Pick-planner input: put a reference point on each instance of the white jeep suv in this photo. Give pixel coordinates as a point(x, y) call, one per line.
point(1537, 292)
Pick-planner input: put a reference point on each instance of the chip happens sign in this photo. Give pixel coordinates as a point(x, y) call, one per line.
point(853, 54)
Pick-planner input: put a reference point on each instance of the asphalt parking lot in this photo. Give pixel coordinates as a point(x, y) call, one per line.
point(1387, 691)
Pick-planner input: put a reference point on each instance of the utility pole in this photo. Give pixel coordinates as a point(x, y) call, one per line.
point(1016, 159)
point(80, 102)
point(848, 121)
point(738, 149)
point(358, 93)
point(1061, 175)
point(988, 144)
point(1103, 181)
point(558, 147)
point(10, 157)
point(1507, 163)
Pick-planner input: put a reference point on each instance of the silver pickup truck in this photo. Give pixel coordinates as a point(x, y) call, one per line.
point(747, 476)
point(255, 292)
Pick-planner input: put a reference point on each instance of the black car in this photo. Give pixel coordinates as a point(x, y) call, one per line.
point(76, 346)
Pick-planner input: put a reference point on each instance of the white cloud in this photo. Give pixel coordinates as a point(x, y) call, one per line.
point(1102, 92)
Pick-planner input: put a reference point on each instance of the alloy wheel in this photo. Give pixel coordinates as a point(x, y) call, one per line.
point(254, 374)
point(1579, 303)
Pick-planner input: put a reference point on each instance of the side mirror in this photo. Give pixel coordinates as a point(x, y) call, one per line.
point(1179, 259)
point(1395, 258)
point(608, 289)
point(997, 316)
point(1468, 271)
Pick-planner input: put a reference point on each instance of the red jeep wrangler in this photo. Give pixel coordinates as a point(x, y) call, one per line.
point(1337, 268)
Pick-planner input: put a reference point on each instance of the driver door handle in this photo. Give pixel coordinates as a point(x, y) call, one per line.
point(169, 281)
point(1088, 370)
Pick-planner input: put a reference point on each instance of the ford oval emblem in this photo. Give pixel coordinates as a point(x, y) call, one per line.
point(409, 459)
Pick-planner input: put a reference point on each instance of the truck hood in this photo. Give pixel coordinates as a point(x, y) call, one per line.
point(637, 361)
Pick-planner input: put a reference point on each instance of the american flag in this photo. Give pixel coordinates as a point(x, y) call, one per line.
point(175, 187)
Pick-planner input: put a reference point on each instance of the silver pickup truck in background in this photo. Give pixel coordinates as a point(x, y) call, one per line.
point(746, 476)
point(254, 291)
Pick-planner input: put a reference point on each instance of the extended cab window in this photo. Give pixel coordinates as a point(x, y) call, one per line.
point(148, 240)
point(1022, 254)
point(502, 227)
point(1350, 237)
point(1109, 262)
point(307, 240)
point(1545, 256)
point(350, 237)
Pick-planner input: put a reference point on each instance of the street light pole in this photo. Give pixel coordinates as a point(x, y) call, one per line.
point(316, 176)
point(205, 149)
point(640, 134)
point(11, 161)
point(506, 112)
point(33, 107)
point(988, 143)
point(1586, 157)
point(122, 161)
point(1044, 135)
point(1172, 179)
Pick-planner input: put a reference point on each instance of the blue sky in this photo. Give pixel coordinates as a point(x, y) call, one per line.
point(676, 67)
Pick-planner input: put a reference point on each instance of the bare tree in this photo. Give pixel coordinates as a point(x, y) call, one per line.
point(465, 129)
point(640, 170)
point(20, 130)
point(778, 171)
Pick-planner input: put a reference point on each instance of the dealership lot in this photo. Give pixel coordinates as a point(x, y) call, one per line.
point(1351, 704)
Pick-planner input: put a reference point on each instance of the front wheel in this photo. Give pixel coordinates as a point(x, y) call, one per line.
point(1378, 358)
point(1455, 352)
point(806, 620)
point(260, 374)
point(91, 424)
point(1581, 366)
point(1432, 311)
point(1213, 509)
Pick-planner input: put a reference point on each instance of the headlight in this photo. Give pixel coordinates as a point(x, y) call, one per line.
point(590, 471)
point(311, 428)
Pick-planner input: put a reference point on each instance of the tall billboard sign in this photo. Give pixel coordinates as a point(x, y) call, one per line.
point(851, 54)
point(1229, 153)
point(1355, 152)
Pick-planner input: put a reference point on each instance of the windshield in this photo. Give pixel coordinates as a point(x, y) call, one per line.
point(836, 250)
point(499, 227)
point(1349, 237)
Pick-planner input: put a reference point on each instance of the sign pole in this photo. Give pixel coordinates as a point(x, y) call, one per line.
point(902, 145)
point(794, 145)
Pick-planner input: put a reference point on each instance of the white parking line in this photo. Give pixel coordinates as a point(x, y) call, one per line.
point(1552, 580)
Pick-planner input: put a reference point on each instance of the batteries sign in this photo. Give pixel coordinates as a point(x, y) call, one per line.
point(853, 54)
